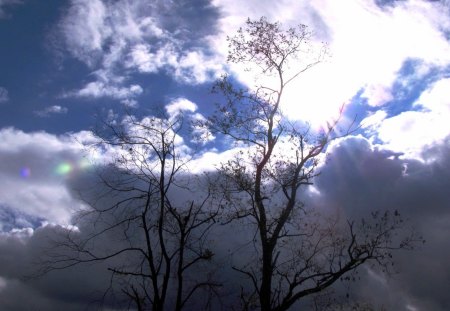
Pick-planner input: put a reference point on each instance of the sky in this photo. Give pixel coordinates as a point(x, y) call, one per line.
point(65, 64)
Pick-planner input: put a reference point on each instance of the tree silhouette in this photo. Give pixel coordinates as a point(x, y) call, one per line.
point(156, 244)
point(297, 253)
point(149, 238)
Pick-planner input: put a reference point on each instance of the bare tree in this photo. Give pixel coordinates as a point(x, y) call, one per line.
point(137, 224)
point(297, 253)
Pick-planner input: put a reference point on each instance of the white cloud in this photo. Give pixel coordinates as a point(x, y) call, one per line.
point(85, 29)
point(436, 98)
point(55, 109)
point(192, 67)
point(201, 134)
point(3, 95)
point(182, 106)
point(131, 103)
point(210, 160)
point(179, 105)
point(141, 58)
point(368, 46)
point(99, 89)
point(377, 95)
point(195, 67)
point(103, 34)
point(411, 131)
point(33, 171)
point(374, 120)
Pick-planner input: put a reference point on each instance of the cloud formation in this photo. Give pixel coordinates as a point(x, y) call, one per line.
point(368, 43)
point(373, 180)
point(408, 132)
point(34, 169)
point(389, 59)
point(359, 178)
point(118, 39)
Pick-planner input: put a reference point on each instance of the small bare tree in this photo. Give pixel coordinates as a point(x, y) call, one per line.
point(296, 253)
point(138, 225)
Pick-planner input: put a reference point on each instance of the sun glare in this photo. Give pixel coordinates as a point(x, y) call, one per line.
point(305, 101)
point(314, 97)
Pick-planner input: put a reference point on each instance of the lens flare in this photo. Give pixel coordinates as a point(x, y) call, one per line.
point(67, 167)
point(25, 172)
point(64, 168)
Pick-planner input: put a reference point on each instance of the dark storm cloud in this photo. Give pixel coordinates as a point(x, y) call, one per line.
point(359, 178)
point(84, 286)
point(78, 288)
point(356, 180)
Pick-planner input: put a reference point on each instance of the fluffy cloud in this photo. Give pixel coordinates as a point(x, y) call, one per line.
point(85, 29)
point(122, 38)
point(3, 95)
point(410, 131)
point(187, 109)
point(368, 45)
point(103, 34)
point(34, 170)
point(178, 106)
point(99, 89)
point(359, 178)
point(145, 61)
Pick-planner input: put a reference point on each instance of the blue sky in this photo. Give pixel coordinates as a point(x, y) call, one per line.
point(66, 63)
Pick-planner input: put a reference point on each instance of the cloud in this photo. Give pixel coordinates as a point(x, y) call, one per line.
point(179, 105)
point(34, 170)
point(377, 95)
point(55, 109)
point(131, 103)
point(86, 286)
point(3, 95)
point(368, 46)
point(411, 131)
point(145, 61)
point(6, 3)
point(184, 107)
point(85, 29)
point(119, 39)
point(356, 179)
point(359, 178)
point(83, 287)
point(37, 203)
point(99, 89)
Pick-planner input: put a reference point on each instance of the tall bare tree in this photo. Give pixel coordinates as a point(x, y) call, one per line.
point(149, 238)
point(296, 253)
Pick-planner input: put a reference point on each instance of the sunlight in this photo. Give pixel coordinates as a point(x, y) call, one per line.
point(304, 102)
point(318, 94)
point(314, 97)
